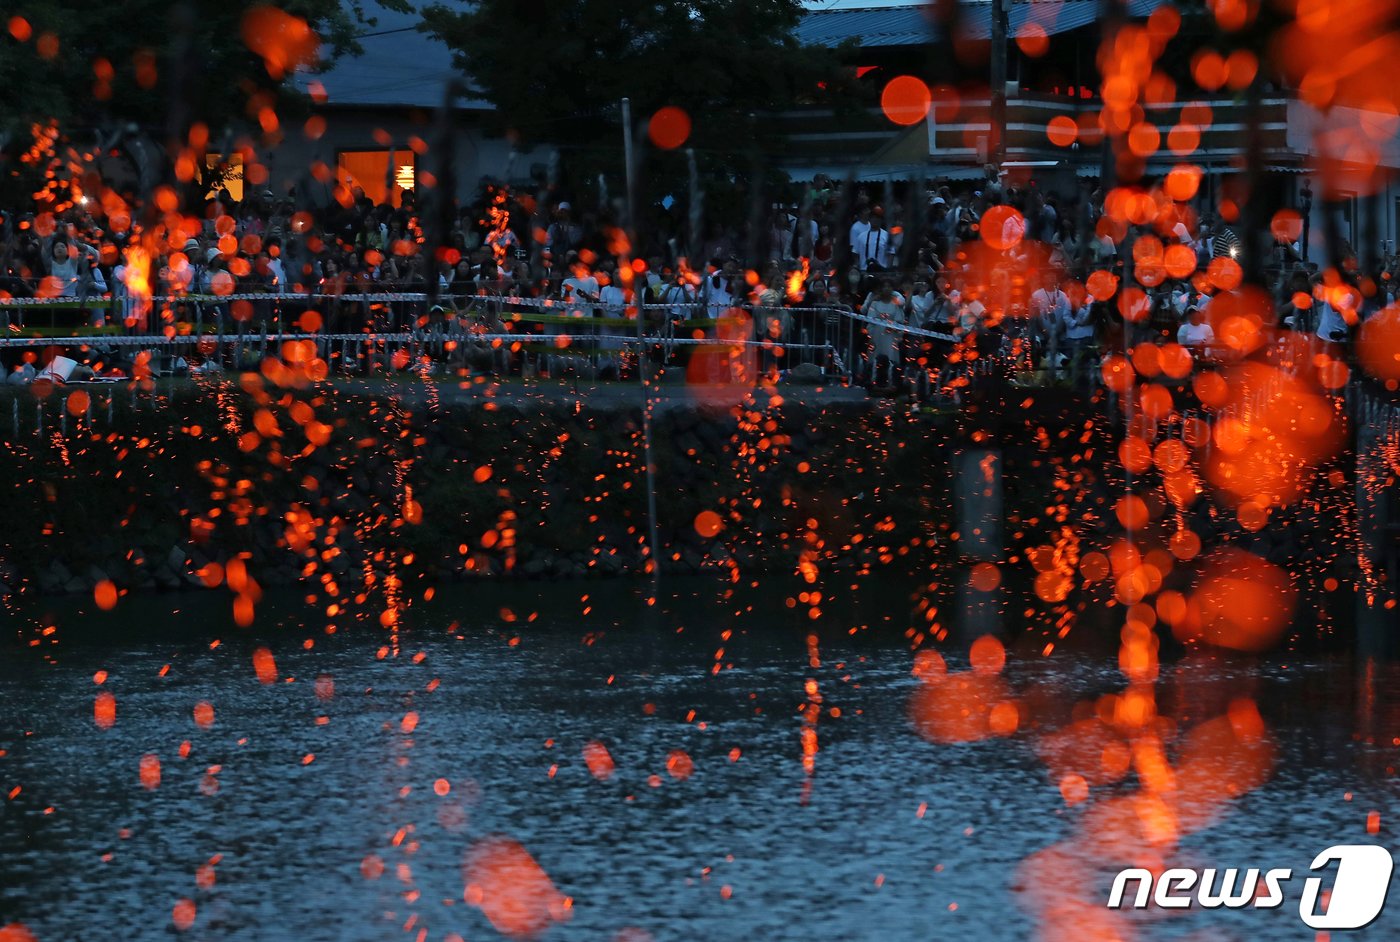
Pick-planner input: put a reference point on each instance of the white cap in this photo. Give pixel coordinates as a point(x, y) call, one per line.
point(564, 206)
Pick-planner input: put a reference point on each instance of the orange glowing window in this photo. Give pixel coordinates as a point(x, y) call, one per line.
point(230, 177)
point(371, 171)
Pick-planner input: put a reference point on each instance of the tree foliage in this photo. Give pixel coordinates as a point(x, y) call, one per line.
point(87, 64)
point(556, 71)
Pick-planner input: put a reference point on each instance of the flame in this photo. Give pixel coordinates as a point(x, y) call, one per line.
point(137, 278)
point(797, 281)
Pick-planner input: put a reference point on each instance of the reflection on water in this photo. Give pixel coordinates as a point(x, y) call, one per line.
point(342, 800)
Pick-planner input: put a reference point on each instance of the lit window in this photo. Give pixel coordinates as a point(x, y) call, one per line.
point(232, 179)
point(371, 172)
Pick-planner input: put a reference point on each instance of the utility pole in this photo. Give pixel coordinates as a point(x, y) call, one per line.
point(642, 375)
point(627, 160)
point(1110, 19)
point(996, 150)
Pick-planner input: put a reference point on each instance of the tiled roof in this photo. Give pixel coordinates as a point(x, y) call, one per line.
point(887, 26)
point(909, 26)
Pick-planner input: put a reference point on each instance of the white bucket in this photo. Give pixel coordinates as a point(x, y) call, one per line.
point(58, 370)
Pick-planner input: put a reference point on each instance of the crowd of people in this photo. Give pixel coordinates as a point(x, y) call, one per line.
point(909, 262)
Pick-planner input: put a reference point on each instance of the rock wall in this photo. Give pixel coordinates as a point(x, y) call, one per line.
point(203, 483)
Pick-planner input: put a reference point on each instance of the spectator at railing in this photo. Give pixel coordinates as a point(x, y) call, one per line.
point(1196, 332)
point(874, 253)
point(1331, 325)
point(72, 266)
point(819, 247)
point(886, 306)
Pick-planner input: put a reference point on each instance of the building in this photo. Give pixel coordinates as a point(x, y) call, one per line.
point(1054, 81)
point(381, 108)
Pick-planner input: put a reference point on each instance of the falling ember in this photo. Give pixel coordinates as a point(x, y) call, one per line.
point(599, 761)
point(906, 100)
point(1003, 227)
point(959, 707)
point(988, 655)
point(512, 891)
point(183, 914)
point(708, 523)
point(669, 127)
point(264, 666)
point(284, 42)
point(150, 771)
point(203, 714)
point(104, 710)
point(985, 577)
point(929, 663)
point(679, 765)
point(1004, 719)
point(1242, 603)
point(105, 595)
point(1379, 346)
point(1074, 789)
point(1061, 130)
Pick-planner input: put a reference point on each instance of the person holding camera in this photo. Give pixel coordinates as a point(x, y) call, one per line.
point(72, 264)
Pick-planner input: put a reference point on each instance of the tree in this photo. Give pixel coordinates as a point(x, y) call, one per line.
point(556, 71)
point(92, 69)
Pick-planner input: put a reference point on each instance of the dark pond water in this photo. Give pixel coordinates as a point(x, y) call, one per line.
point(297, 797)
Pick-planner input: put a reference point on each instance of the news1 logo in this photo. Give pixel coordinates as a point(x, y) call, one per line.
point(1356, 899)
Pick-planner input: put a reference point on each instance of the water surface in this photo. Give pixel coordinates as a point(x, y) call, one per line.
point(890, 836)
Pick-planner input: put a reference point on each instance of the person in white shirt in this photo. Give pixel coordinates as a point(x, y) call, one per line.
point(1077, 328)
point(579, 292)
point(677, 294)
point(859, 228)
point(71, 264)
point(873, 254)
point(653, 281)
point(612, 300)
point(719, 296)
point(886, 306)
point(921, 303)
point(806, 236)
point(580, 289)
point(1331, 326)
point(1051, 308)
point(971, 314)
point(1195, 332)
